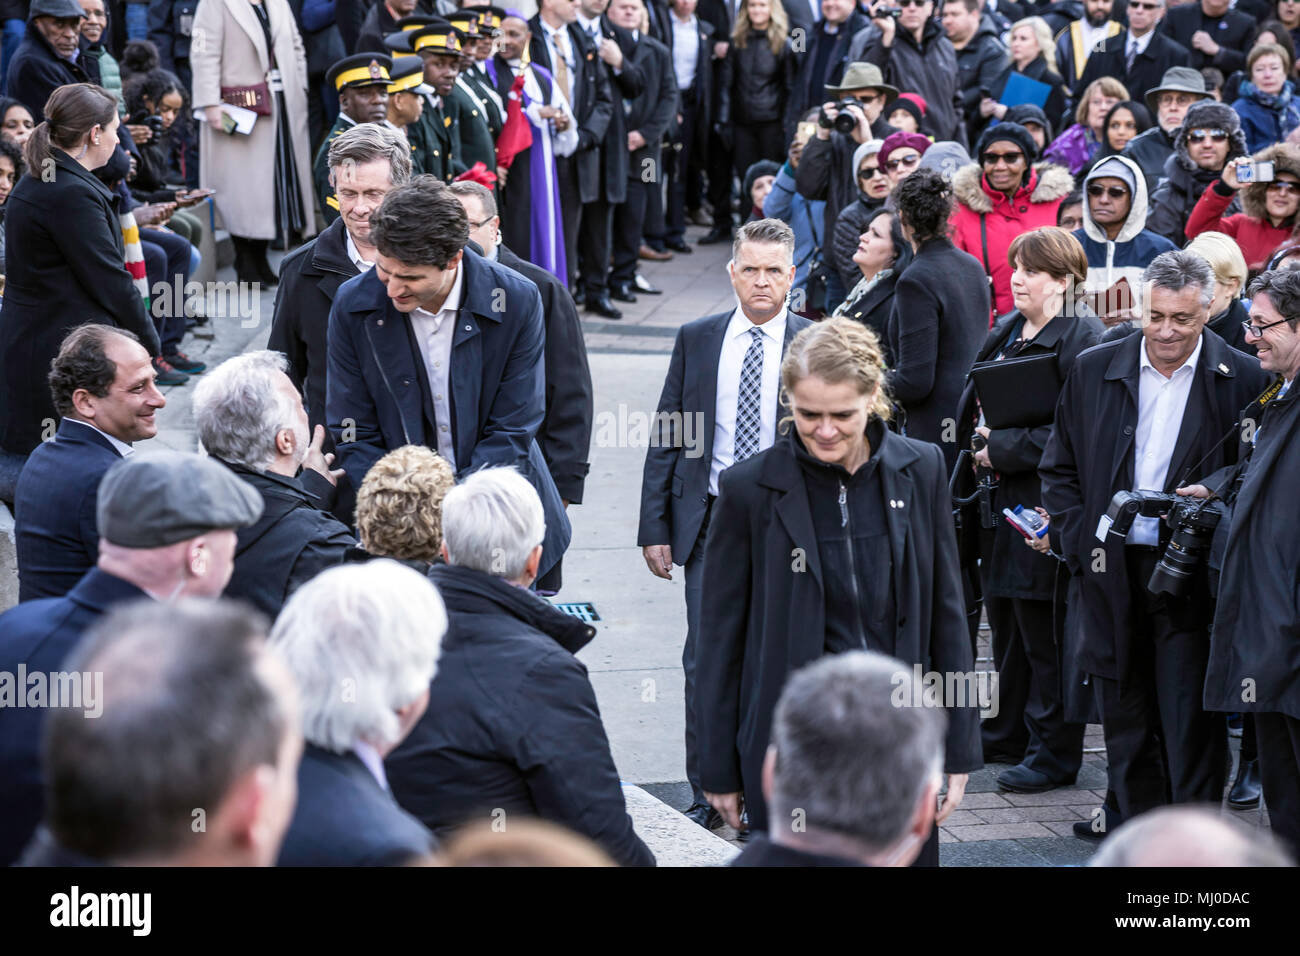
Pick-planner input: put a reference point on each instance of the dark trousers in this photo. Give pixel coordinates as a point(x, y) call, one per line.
point(629, 223)
point(166, 261)
point(1055, 746)
point(1278, 737)
point(655, 230)
point(754, 141)
point(1162, 747)
point(566, 176)
point(720, 183)
point(694, 596)
point(1005, 732)
point(593, 245)
point(684, 173)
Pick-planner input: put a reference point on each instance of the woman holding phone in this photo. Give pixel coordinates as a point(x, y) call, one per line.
point(1025, 604)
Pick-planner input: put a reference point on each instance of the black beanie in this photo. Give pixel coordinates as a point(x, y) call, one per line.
point(764, 167)
point(1011, 133)
point(908, 106)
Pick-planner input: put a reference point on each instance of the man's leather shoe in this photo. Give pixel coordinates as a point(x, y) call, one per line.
point(654, 255)
point(602, 306)
point(704, 815)
point(715, 235)
point(1245, 791)
point(1098, 825)
point(621, 292)
point(1022, 779)
point(679, 245)
point(744, 833)
point(641, 285)
point(700, 217)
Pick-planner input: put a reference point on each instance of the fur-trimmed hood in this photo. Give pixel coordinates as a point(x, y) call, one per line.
point(1052, 183)
point(1286, 159)
point(1209, 114)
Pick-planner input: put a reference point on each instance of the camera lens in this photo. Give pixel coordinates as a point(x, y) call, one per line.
point(845, 122)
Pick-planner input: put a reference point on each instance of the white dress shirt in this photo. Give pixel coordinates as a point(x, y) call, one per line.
point(1142, 42)
point(735, 343)
point(553, 50)
point(369, 756)
point(434, 332)
point(590, 27)
point(1161, 404)
point(123, 448)
point(363, 265)
point(686, 50)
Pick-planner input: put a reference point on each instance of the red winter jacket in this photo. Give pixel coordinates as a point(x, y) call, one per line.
point(1034, 205)
point(1257, 237)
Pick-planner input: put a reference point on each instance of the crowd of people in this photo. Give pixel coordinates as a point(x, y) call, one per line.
point(1015, 328)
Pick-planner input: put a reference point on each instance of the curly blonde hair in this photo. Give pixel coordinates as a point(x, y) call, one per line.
point(835, 351)
point(399, 505)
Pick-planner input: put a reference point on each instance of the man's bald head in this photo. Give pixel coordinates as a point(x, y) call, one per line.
point(1187, 836)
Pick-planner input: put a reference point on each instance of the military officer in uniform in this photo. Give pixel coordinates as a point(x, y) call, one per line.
point(474, 123)
point(439, 45)
point(406, 98)
point(362, 84)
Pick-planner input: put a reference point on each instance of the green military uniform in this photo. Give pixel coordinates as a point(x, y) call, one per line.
point(329, 206)
point(475, 141)
point(436, 131)
point(431, 144)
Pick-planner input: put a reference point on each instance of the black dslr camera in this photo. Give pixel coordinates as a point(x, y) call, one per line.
point(844, 121)
point(1192, 521)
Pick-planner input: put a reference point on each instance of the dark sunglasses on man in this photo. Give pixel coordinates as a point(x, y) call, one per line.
point(1199, 135)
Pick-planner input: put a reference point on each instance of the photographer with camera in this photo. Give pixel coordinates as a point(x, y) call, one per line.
point(1025, 605)
point(1256, 635)
point(913, 52)
point(826, 170)
point(1142, 415)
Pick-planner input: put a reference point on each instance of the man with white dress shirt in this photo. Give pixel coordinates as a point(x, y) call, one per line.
point(1151, 412)
point(103, 386)
point(720, 404)
point(441, 347)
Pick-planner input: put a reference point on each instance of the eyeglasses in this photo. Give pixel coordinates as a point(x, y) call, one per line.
point(1156, 6)
point(1011, 159)
point(1283, 186)
point(1257, 331)
point(475, 225)
point(912, 3)
point(1199, 135)
point(905, 161)
point(1114, 192)
point(869, 173)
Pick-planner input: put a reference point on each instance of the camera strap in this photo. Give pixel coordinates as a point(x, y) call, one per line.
point(1257, 403)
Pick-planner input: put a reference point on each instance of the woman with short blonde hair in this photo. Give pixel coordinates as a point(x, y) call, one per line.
point(1227, 311)
point(399, 505)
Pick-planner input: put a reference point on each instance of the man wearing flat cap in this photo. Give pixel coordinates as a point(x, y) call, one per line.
point(362, 85)
point(47, 57)
point(167, 523)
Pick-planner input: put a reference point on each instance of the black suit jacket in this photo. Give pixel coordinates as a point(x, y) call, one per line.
point(592, 104)
point(1232, 34)
point(1089, 457)
point(760, 851)
point(654, 111)
point(1148, 66)
point(675, 480)
point(702, 87)
point(309, 279)
point(54, 510)
point(345, 818)
point(565, 434)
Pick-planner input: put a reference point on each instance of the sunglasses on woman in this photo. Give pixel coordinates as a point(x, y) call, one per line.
point(1283, 186)
point(1114, 192)
point(1199, 135)
point(869, 173)
point(907, 162)
point(1011, 159)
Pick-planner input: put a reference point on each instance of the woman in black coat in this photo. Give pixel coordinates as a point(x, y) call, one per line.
point(1022, 594)
point(756, 79)
point(940, 314)
point(839, 537)
point(881, 256)
point(66, 258)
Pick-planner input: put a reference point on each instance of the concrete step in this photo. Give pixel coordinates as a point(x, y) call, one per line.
point(673, 839)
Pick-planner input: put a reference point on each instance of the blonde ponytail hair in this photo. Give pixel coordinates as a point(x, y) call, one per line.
point(835, 351)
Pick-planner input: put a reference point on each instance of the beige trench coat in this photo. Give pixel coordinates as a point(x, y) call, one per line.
point(228, 48)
